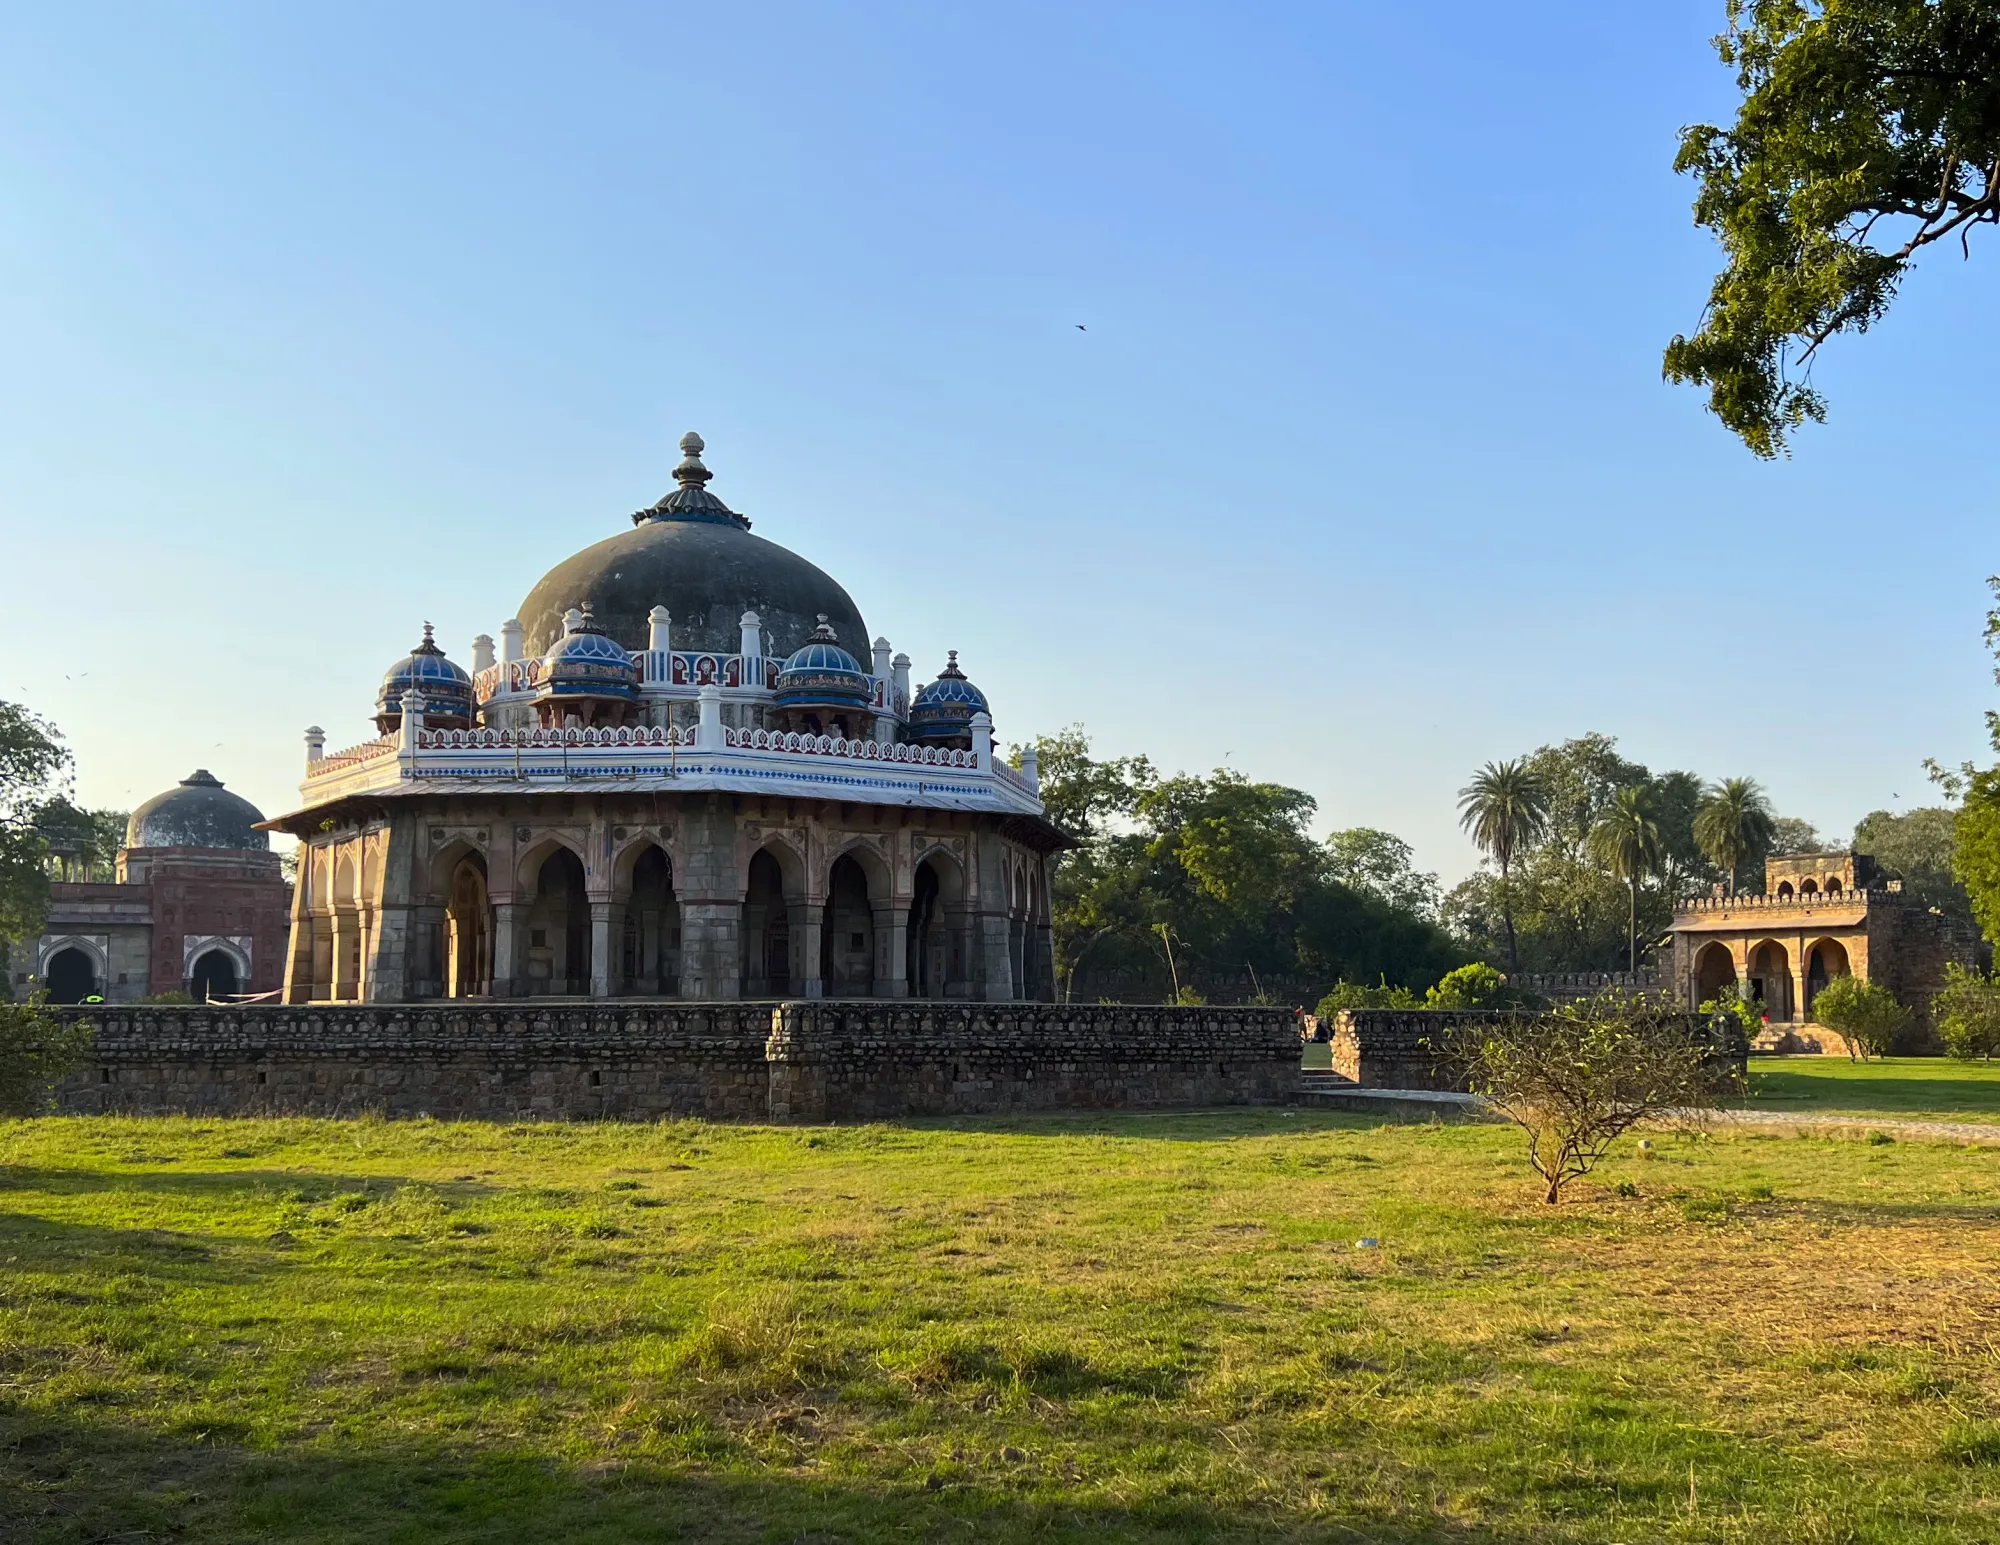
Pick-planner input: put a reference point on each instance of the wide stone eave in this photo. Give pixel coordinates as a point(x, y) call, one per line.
point(1031, 831)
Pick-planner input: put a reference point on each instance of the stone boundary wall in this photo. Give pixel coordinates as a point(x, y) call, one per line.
point(1406, 1048)
point(817, 1060)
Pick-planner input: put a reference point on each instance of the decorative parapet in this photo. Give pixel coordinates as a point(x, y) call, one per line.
point(367, 751)
point(547, 739)
point(856, 750)
point(1819, 901)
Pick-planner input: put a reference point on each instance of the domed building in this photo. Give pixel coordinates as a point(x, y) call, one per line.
point(687, 771)
point(199, 905)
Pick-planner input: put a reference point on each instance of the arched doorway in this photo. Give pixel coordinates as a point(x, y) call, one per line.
point(558, 953)
point(932, 944)
point(213, 976)
point(468, 931)
point(70, 976)
point(1771, 980)
point(1714, 973)
point(847, 941)
point(767, 930)
point(1826, 960)
point(651, 954)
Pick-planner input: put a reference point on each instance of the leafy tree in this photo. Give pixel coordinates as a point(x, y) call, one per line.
point(1916, 847)
point(1684, 868)
point(1789, 834)
point(1866, 1015)
point(1582, 777)
point(1967, 1013)
point(1626, 841)
point(33, 763)
point(1734, 827)
point(36, 1049)
point(1377, 863)
point(1582, 1074)
point(1869, 130)
point(1505, 808)
point(1975, 857)
point(1224, 871)
point(82, 843)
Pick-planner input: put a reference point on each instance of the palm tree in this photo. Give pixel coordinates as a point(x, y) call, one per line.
point(1626, 841)
point(1506, 809)
point(1732, 823)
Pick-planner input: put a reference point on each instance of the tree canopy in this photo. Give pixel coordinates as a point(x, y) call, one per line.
point(33, 766)
point(1869, 130)
point(1228, 867)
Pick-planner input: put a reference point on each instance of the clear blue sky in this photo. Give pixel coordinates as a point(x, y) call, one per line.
point(322, 321)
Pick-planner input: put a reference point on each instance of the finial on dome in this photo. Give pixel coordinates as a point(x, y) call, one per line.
point(691, 471)
point(951, 666)
point(427, 633)
point(824, 634)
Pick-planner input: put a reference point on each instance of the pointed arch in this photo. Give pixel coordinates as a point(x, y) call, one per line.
point(648, 942)
point(558, 923)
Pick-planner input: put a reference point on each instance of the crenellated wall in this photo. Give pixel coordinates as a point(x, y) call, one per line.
point(792, 1061)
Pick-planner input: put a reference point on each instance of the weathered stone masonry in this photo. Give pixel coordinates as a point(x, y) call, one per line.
point(791, 1061)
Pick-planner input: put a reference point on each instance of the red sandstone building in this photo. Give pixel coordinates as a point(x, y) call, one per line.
point(199, 906)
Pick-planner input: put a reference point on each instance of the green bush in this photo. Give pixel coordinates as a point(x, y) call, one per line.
point(1865, 1014)
point(1353, 995)
point(36, 1050)
point(1478, 986)
point(1967, 1012)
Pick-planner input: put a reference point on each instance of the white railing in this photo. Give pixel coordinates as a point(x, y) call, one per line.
point(353, 756)
point(1011, 774)
point(853, 750)
point(549, 739)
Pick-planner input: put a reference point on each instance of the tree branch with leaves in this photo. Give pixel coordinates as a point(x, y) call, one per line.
point(1869, 131)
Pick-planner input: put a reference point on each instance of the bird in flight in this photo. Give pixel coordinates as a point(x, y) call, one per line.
point(1081, 328)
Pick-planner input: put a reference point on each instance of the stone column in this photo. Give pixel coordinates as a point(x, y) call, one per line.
point(961, 965)
point(507, 917)
point(810, 921)
point(711, 950)
point(711, 889)
point(299, 952)
point(345, 936)
point(756, 976)
point(996, 967)
point(892, 949)
point(607, 933)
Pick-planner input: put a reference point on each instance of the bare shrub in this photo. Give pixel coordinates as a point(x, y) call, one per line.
point(1579, 1075)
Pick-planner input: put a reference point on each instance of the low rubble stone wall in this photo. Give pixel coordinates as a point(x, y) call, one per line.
point(812, 1060)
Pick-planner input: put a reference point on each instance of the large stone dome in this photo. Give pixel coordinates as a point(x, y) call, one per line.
point(199, 813)
point(696, 557)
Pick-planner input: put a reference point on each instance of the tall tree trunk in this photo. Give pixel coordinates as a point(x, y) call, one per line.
point(1632, 934)
point(1507, 914)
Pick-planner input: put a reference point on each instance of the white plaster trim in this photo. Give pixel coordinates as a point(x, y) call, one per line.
point(95, 945)
point(234, 945)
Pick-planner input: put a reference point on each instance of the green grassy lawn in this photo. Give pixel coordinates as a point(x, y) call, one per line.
point(1911, 1088)
point(1128, 1328)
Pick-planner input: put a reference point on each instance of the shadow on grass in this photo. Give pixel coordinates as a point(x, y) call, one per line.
point(63, 1482)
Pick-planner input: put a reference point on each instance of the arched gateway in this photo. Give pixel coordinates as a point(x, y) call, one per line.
point(685, 772)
